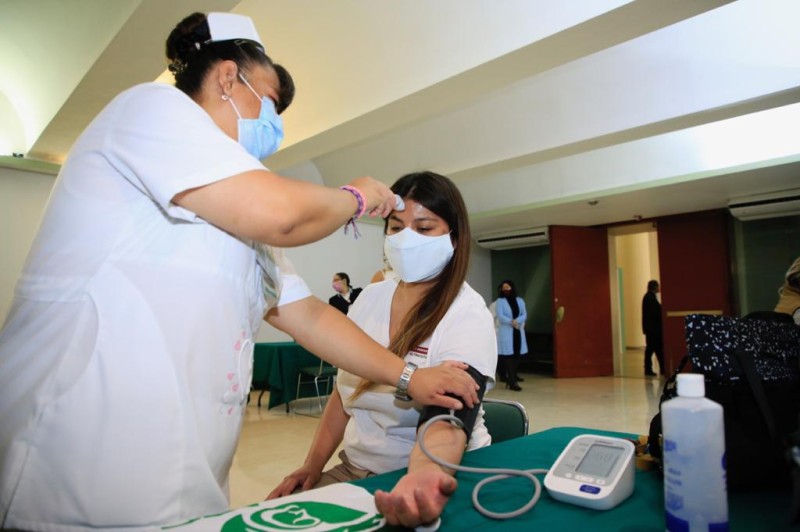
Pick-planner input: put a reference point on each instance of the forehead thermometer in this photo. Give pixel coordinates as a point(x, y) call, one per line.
point(593, 471)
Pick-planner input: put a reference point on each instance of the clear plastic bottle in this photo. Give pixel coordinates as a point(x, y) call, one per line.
point(695, 492)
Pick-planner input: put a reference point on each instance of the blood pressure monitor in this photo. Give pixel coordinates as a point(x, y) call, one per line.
point(593, 471)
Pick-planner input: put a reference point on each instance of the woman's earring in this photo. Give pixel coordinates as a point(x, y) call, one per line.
point(225, 97)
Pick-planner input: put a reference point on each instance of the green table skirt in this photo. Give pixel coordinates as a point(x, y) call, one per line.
point(276, 366)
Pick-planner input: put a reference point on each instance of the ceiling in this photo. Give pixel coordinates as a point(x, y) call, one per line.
point(535, 108)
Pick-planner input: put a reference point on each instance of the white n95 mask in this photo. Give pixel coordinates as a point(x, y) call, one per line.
point(415, 257)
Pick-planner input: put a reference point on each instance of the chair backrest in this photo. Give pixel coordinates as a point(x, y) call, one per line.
point(323, 369)
point(326, 367)
point(504, 419)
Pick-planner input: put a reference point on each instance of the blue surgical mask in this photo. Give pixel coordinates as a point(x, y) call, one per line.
point(260, 136)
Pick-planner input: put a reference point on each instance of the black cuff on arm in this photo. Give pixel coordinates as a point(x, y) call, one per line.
point(467, 415)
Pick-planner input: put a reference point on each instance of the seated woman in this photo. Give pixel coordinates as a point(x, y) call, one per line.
point(345, 294)
point(428, 315)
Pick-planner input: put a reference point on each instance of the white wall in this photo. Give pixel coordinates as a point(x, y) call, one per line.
point(480, 272)
point(23, 196)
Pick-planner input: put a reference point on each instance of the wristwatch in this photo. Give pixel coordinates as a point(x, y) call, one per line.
point(401, 392)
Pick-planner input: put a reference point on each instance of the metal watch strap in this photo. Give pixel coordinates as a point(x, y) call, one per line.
point(401, 392)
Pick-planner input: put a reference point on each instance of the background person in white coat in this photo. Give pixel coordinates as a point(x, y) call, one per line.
point(511, 342)
point(125, 360)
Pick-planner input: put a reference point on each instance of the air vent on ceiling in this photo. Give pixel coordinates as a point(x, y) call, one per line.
point(515, 239)
point(772, 205)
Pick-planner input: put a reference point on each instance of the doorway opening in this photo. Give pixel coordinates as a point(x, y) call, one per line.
point(633, 261)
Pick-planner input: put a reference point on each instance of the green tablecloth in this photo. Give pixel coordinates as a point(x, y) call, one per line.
point(642, 512)
point(276, 366)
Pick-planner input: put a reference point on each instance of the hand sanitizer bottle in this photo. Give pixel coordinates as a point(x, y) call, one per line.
point(695, 494)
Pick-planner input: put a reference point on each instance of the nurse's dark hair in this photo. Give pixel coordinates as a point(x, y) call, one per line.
point(192, 55)
point(439, 195)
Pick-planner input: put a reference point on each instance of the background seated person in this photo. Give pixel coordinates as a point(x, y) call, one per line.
point(429, 315)
point(345, 294)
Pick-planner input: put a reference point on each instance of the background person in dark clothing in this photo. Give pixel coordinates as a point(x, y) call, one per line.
point(345, 294)
point(651, 327)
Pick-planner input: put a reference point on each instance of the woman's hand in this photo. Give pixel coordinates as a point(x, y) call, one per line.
point(418, 498)
point(429, 386)
point(380, 199)
point(304, 478)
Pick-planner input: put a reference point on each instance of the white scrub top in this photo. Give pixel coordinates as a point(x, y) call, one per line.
point(125, 360)
point(382, 430)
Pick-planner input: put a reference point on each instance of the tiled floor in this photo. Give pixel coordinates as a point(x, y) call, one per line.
point(274, 443)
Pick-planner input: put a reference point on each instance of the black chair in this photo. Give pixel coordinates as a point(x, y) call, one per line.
point(319, 374)
point(504, 419)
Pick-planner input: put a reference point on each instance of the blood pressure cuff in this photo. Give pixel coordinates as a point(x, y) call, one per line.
point(467, 415)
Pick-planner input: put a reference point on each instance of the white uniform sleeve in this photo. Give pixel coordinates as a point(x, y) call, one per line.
point(293, 287)
point(467, 335)
point(164, 143)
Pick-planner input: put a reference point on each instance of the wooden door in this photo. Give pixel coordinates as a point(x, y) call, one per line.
point(694, 264)
point(582, 344)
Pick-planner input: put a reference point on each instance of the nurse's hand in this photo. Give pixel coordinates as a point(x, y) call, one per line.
point(418, 498)
point(429, 385)
point(380, 199)
point(302, 479)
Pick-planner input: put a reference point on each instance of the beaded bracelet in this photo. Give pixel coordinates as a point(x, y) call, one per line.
point(360, 210)
point(362, 203)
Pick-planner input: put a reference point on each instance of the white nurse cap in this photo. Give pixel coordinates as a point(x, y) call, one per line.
point(228, 27)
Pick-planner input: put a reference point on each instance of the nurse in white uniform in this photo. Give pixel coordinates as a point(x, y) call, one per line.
point(125, 360)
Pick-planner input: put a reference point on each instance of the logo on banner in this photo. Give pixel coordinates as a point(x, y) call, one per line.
point(306, 515)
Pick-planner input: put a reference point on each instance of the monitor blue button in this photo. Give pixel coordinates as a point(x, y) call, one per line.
point(594, 490)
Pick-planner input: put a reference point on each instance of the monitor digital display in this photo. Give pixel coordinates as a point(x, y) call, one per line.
point(599, 460)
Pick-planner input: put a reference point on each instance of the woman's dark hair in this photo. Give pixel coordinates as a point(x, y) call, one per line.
point(342, 275)
point(439, 195)
point(192, 55)
point(511, 284)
